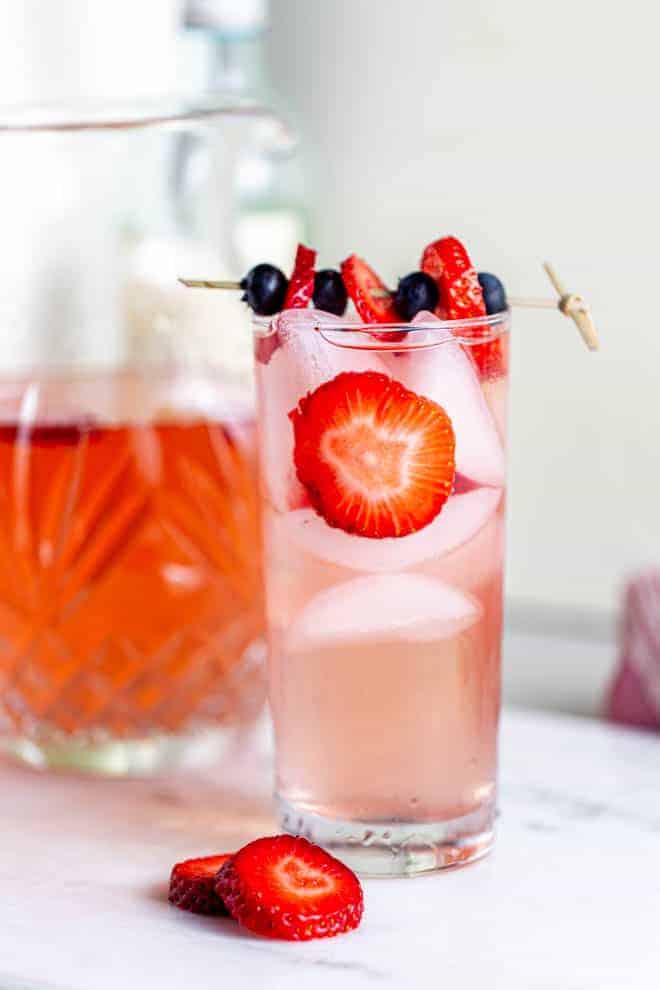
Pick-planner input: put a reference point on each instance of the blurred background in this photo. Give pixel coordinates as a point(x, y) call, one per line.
point(524, 131)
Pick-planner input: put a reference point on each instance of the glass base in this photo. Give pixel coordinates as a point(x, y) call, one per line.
point(395, 849)
point(123, 757)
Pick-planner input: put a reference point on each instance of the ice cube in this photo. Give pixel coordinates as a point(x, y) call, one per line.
point(476, 561)
point(446, 374)
point(383, 607)
point(461, 517)
point(297, 363)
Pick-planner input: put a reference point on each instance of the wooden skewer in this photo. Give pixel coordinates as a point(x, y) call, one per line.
point(530, 303)
point(569, 303)
point(206, 283)
point(574, 306)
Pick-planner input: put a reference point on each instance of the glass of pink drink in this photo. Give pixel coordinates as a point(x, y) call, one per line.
point(383, 481)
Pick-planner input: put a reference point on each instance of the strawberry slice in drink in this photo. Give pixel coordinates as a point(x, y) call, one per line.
point(301, 283)
point(298, 363)
point(461, 298)
point(376, 459)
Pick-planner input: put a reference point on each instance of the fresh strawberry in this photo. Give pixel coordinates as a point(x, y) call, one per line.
point(448, 264)
point(301, 283)
point(376, 459)
point(369, 294)
point(461, 298)
point(285, 887)
point(192, 885)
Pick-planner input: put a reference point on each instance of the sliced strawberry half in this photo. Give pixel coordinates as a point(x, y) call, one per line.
point(461, 298)
point(376, 459)
point(371, 297)
point(301, 283)
point(369, 293)
point(192, 885)
point(449, 265)
point(286, 887)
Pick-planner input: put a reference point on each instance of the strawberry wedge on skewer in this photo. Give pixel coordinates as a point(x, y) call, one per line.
point(368, 292)
point(371, 297)
point(301, 283)
point(462, 298)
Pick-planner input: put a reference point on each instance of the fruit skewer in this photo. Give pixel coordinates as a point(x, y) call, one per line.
point(267, 281)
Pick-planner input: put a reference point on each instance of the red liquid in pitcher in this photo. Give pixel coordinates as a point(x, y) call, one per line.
point(129, 575)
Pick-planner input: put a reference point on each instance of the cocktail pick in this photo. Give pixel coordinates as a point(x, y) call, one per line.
point(571, 304)
point(206, 283)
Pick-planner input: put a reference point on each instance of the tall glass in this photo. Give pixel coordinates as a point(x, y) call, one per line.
point(131, 609)
point(385, 649)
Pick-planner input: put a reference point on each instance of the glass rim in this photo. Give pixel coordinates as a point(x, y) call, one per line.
point(471, 331)
point(48, 118)
point(478, 322)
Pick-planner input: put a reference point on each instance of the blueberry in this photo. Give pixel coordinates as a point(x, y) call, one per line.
point(330, 292)
point(494, 293)
point(265, 289)
point(415, 293)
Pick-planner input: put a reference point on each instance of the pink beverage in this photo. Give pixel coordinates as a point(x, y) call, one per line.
point(383, 477)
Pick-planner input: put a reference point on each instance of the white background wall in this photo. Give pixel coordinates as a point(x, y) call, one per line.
point(530, 130)
point(59, 50)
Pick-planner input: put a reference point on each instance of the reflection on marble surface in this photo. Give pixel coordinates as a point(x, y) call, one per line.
point(567, 902)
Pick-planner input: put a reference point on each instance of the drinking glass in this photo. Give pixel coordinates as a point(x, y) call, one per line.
point(384, 649)
point(131, 611)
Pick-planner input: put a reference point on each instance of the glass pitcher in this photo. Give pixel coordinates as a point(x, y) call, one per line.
point(131, 607)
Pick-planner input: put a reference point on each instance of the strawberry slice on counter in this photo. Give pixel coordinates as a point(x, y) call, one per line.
point(285, 887)
point(301, 283)
point(461, 298)
point(371, 297)
point(376, 459)
point(192, 885)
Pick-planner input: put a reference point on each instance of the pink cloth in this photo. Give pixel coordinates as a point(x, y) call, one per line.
point(633, 697)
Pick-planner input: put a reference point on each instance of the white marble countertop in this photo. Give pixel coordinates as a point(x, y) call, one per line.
point(569, 900)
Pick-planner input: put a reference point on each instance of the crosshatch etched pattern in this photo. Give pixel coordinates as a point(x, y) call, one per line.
point(129, 578)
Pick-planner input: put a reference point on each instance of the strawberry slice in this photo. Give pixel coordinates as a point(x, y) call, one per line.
point(285, 887)
point(301, 283)
point(376, 459)
point(461, 298)
point(369, 293)
point(192, 885)
point(371, 297)
point(449, 265)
